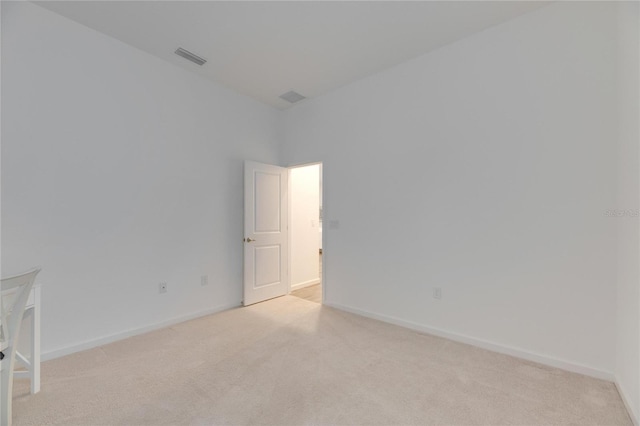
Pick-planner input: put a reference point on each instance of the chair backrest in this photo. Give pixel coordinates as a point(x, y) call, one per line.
point(14, 292)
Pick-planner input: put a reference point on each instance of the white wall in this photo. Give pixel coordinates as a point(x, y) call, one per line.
point(484, 168)
point(628, 307)
point(119, 171)
point(304, 186)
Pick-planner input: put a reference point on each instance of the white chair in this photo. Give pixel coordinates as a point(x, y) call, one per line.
point(15, 293)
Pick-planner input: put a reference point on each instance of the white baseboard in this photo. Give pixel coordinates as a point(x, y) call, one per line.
point(89, 344)
point(484, 344)
point(627, 403)
point(305, 284)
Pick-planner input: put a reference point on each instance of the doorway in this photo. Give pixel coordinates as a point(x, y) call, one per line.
point(305, 232)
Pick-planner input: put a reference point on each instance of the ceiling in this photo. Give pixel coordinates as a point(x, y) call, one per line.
point(264, 49)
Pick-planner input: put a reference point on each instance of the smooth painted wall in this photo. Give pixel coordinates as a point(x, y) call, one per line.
point(304, 190)
point(119, 171)
point(627, 207)
point(484, 168)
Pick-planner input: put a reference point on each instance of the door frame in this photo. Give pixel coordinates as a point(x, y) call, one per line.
point(323, 279)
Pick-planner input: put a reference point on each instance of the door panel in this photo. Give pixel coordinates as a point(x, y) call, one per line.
point(265, 232)
point(267, 261)
point(267, 193)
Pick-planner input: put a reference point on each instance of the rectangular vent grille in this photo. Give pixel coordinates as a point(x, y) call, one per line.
point(292, 97)
point(190, 56)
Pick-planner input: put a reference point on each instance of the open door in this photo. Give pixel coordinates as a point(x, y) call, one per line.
point(265, 232)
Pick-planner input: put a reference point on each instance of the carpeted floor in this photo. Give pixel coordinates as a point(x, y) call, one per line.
point(289, 361)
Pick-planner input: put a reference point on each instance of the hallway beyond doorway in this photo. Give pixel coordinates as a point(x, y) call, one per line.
point(312, 293)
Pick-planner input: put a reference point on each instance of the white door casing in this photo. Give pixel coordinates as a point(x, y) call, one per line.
point(265, 232)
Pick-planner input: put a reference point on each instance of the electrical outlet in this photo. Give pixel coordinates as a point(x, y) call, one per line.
point(437, 293)
point(204, 280)
point(162, 288)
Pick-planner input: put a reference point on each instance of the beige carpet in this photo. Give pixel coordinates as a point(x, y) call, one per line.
point(293, 362)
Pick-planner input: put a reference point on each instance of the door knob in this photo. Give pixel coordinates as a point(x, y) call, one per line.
point(248, 240)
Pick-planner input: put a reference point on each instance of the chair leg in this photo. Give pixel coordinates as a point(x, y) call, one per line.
point(6, 392)
point(35, 346)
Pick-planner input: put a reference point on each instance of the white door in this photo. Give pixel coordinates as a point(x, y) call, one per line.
point(265, 232)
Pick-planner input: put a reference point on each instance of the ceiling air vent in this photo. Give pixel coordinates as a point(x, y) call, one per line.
point(292, 97)
point(190, 56)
